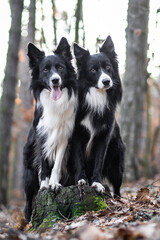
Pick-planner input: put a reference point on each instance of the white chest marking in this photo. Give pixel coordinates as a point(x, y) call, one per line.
point(86, 122)
point(96, 99)
point(57, 121)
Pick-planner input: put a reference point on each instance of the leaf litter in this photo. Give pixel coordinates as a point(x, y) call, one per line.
point(135, 216)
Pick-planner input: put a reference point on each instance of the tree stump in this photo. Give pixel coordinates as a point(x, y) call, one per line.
point(67, 204)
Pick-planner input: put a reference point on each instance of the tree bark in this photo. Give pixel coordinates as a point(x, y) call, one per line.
point(50, 207)
point(8, 96)
point(79, 18)
point(134, 83)
point(54, 22)
point(24, 111)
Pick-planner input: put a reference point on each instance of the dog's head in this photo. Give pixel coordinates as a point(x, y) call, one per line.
point(50, 72)
point(99, 70)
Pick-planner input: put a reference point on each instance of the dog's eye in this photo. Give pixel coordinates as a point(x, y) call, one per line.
point(46, 69)
point(60, 68)
point(108, 68)
point(93, 70)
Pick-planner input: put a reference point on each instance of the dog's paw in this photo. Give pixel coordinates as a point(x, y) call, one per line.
point(44, 185)
point(55, 187)
point(98, 187)
point(82, 182)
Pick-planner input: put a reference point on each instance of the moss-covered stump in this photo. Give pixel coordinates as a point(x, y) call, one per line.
point(50, 207)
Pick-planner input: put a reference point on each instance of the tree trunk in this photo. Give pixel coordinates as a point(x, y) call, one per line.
point(8, 96)
point(79, 18)
point(54, 22)
point(24, 111)
point(50, 207)
point(134, 83)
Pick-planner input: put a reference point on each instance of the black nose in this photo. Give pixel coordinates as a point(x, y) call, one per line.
point(55, 81)
point(106, 81)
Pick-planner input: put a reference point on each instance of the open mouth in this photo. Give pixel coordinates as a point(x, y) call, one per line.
point(56, 92)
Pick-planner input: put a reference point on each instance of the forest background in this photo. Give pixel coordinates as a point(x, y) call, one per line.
point(135, 29)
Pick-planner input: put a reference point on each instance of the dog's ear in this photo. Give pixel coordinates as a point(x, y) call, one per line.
point(63, 49)
point(108, 46)
point(35, 55)
point(80, 53)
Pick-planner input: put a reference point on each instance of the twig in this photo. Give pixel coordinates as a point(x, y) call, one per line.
point(67, 219)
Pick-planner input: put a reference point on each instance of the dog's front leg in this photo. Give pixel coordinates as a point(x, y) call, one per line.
point(80, 174)
point(56, 170)
point(44, 173)
point(99, 154)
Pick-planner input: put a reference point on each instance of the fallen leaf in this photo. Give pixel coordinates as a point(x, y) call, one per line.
point(90, 233)
point(143, 195)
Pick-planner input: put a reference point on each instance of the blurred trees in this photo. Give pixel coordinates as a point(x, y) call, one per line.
point(23, 113)
point(131, 117)
point(8, 96)
point(79, 24)
point(140, 108)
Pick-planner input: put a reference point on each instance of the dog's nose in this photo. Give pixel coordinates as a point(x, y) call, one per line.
point(106, 81)
point(55, 80)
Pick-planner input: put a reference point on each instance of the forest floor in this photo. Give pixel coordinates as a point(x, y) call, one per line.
point(135, 216)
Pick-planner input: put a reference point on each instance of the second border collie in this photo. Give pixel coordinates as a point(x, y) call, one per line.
point(99, 149)
point(54, 88)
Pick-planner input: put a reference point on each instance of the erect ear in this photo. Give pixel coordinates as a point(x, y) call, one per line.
point(63, 49)
point(108, 46)
point(80, 52)
point(35, 55)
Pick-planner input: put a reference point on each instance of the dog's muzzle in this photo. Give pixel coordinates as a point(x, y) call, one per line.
point(56, 87)
point(105, 81)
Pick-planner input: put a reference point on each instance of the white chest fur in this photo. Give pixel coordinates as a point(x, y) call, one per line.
point(96, 99)
point(86, 122)
point(57, 121)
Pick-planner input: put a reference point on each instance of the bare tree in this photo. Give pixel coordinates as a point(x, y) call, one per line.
point(23, 112)
point(79, 19)
point(131, 116)
point(54, 21)
point(8, 96)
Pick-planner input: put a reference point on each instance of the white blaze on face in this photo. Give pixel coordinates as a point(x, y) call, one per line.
point(56, 90)
point(104, 76)
point(55, 76)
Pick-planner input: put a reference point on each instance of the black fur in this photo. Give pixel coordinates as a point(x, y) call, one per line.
point(37, 166)
point(106, 156)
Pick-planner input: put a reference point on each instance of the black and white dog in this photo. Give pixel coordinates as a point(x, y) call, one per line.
point(99, 149)
point(54, 88)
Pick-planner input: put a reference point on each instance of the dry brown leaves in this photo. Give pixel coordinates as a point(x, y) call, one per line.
point(135, 216)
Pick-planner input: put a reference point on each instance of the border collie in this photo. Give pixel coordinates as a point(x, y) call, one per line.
point(99, 149)
point(54, 88)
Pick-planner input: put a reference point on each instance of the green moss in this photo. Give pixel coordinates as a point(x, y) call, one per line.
point(31, 230)
point(99, 202)
point(91, 203)
point(50, 208)
point(47, 223)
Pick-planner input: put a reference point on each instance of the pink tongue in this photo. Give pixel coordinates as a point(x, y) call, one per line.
point(56, 93)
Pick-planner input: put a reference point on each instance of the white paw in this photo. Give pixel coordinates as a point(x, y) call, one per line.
point(55, 186)
point(98, 187)
point(44, 184)
point(81, 182)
